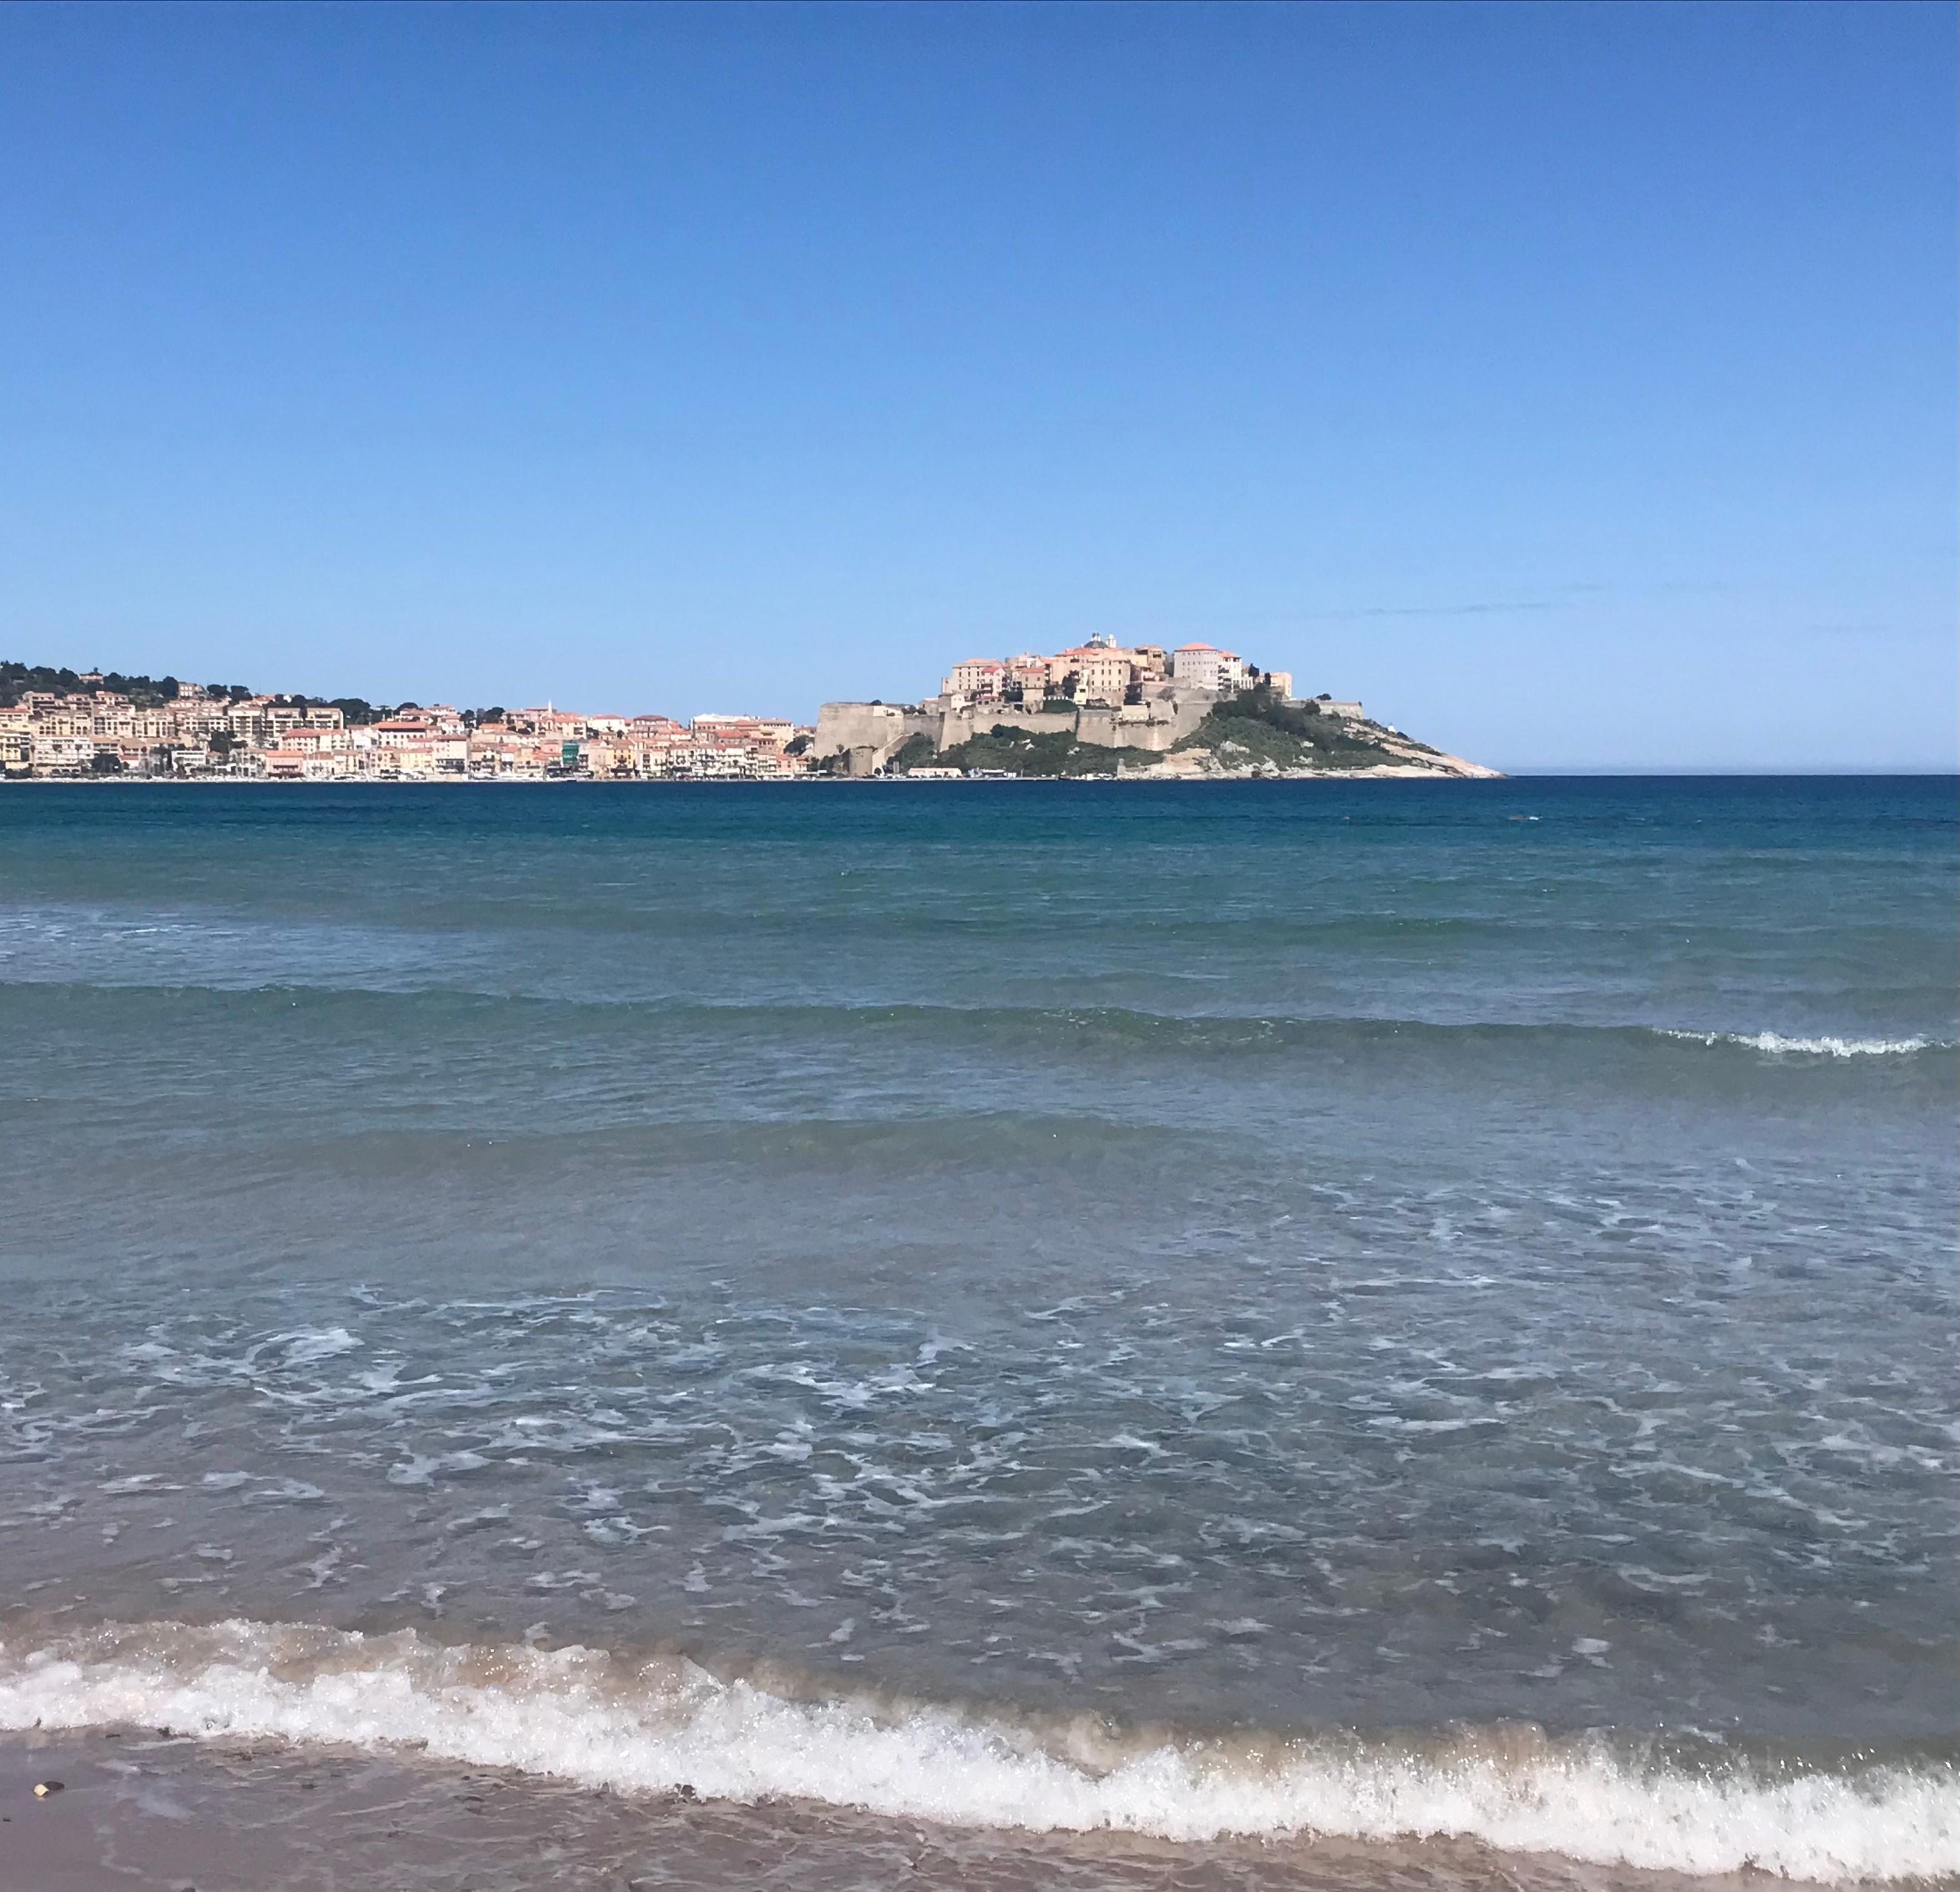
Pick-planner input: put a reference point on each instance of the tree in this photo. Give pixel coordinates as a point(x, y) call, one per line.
point(914, 752)
point(16, 679)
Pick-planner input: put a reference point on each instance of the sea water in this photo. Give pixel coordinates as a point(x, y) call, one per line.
point(1294, 1312)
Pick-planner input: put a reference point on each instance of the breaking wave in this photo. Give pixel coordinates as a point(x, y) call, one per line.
point(659, 1723)
point(1777, 1045)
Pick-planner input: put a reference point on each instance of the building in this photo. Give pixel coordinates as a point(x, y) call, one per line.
point(1026, 679)
point(1206, 667)
point(62, 754)
point(980, 679)
point(1096, 672)
point(1099, 669)
point(761, 732)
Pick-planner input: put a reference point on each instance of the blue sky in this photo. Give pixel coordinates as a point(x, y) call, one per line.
point(1574, 384)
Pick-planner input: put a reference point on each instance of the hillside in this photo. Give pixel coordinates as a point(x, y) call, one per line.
point(1008, 751)
point(18, 680)
point(1257, 732)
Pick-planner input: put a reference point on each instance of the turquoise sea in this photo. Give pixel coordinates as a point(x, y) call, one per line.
point(1139, 1321)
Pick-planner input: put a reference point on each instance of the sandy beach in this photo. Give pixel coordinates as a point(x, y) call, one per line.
point(142, 1811)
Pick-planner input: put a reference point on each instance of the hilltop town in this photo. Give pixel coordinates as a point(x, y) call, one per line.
point(1136, 711)
point(1098, 709)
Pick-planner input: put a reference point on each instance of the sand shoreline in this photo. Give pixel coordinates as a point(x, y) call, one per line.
point(144, 1810)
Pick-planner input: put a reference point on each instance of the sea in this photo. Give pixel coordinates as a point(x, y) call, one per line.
point(1256, 1335)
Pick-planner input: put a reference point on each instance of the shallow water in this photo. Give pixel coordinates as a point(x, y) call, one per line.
point(1213, 1310)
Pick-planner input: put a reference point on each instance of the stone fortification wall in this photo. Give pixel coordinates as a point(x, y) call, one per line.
point(955, 725)
point(1156, 725)
point(869, 733)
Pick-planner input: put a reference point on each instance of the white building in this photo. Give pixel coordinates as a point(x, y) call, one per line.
point(1206, 667)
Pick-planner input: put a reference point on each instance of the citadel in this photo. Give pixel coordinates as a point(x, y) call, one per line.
point(1113, 696)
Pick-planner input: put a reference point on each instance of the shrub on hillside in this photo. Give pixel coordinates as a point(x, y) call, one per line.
point(1052, 753)
point(915, 752)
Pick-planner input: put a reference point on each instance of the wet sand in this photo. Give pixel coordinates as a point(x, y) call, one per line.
point(141, 1809)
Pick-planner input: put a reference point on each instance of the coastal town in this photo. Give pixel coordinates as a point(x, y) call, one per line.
point(1097, 710)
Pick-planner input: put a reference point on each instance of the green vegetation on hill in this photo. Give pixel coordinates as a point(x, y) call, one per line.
point(1253, 730)
point(16, 679)
point(1257, 726)
point(915, 752)
point(1017, 752)
point(150, 692)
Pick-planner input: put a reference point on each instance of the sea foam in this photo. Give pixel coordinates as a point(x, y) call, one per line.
point(581, 1715)
point(1776, 1044)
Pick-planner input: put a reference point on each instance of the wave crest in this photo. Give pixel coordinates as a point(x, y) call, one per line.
point(657, 1723)
point(1778, 1045)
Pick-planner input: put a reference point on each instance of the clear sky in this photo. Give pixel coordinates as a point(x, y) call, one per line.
point(1574, 384)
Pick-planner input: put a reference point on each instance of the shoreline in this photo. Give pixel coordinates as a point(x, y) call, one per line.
point(168, 1812)
point(1137, 778)
point(229, 1726)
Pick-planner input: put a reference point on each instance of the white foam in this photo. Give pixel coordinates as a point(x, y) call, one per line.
point(1777, 1045)
point(580, 1715)
point(305, 1346)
